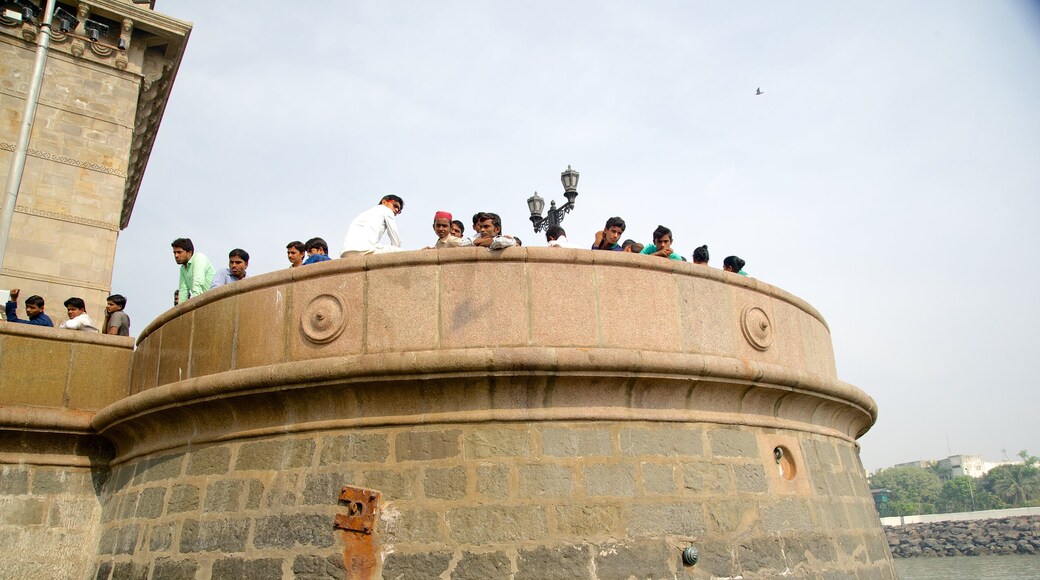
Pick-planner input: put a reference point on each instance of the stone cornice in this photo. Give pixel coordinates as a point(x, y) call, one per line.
point(54, 279)
point(64, 217)
point(71, 161)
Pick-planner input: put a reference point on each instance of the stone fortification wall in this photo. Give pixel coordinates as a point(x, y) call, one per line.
point(1014, 535)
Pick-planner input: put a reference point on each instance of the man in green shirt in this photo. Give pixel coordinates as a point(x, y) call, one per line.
point(196, 270)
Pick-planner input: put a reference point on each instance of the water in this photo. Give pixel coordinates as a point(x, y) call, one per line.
point(977, 567)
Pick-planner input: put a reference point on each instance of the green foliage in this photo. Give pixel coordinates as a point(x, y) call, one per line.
point(914, 490)
point(1017, 484)
point(965, 494)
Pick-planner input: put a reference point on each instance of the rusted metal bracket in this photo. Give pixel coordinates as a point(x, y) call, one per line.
point(361, 509)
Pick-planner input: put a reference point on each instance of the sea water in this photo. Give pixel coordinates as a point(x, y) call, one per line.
point(976, 567)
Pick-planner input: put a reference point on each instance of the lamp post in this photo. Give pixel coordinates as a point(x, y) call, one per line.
point(555, 214)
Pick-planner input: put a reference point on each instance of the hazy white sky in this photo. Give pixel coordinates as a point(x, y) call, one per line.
point(889, 175)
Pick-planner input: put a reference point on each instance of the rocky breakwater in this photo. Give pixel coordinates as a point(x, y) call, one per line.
point(1014, 535)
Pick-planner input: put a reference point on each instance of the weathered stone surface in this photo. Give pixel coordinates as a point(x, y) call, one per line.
point(224, 495)
point(393, 485)
point(665, 441)
point(732, 443)
point(254, 494)
point(355, 448)
point(263, 569)
point(482, 524)
point(569, 442)
point(161, 537)
point(760, 555)
point(54, 481)
point(129, 571)
point(482, 566)
point(150, 504)
point(159, 468)
point(705, 477)
point(128, 505)
point(486, 443)
point(126, 540)
point(750, 477)
point(658, 479)
point(421, 526)
point(493, 481)
point(728, 516)
point(168, 569)
point(683, 519)
point(22, 511)
point(283, 490)
point(288, 531)
point(550, 563)
point(14, 480)
point(209, 461)
point(324, 488)
point(808, 549)
point(421, 566)
point(183, 498)
point(427, 445)
point(275, 455)
point(545, 480)
point(785, 514)
point(626, 560)
point(610, 480)
point(217, 535)
point(307, 567)
point(445, 483)
point(588, 521)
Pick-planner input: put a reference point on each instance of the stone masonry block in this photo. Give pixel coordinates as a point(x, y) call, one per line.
point(785, 515)
point(21, 511)
point(128, 505)
point(394, 485)
point(14, 480)
point(283, 490)
point(750, 477)
point(481, 566)
point(545, 480)
point(668, 441)
point(159, 468)
point(104, 570)
point(308, 567)
point(678, 519)
point(150, 504)
point(355, 448)
point(126, 540)
point(71, 513)
point(168, 569)
point(483, 523)
point(161, 537)
point(324, 488)
point(809, 549)
point(658, 479)
point(55, 481)
point(445, 483)
point(421, 566)
point(610, 480)
point(107, 543)
point(275, 454)
point(588, 521)
point(728, 442)
point(427, 445)
point(289, 531)
point(183, 498)
point(646, 559)
point(731, 515)
point(254, 494)
point(567, 442)
point(209, 461)
point(214, 536)
point(485, 443)
point(224, 495)
point(551, 563)
point(130, 571)
point(418, 526)
point(493, 481)
point(838, 484)
point(263, 569)
point(761, 556)
point(705, 477)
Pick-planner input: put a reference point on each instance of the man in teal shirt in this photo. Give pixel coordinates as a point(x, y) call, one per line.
point(196, 271)
point(662, 245)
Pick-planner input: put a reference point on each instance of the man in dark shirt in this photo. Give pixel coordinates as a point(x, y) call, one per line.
point(33, 309)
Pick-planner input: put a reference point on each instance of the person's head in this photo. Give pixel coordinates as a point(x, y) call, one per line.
point(490, 225)
point(295, 251)
point(238, 261)
point(457, 228)
point(626, 246)
point(442, 224)
point(115, 303)
point(733, 264)
point(316, 246)
point(663, 238)
point(518, 241)
point(613, 230)
point(183, 249)
point(34, 306)
point(553, 233)
point(75, 307)
point(393, 202)
point(476, 220)
point(700, 255)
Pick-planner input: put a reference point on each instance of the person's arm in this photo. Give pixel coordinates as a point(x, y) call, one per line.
point(483, 242)
point(391, 231)
point(11, 311)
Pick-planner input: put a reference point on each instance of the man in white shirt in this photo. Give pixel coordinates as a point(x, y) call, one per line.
point(557, 238)
point(78, 318)
point(367, 229)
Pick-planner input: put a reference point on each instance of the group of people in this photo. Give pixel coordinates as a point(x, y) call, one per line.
point(116, 322)
point(368, 230)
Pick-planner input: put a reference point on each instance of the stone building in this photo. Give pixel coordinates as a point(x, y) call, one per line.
point(99, 109)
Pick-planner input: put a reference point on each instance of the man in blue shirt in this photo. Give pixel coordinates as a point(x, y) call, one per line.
point(238, 261)
point(33, 309)
point(317, 251)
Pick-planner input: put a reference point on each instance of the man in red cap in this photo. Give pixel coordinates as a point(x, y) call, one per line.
point(442, 227)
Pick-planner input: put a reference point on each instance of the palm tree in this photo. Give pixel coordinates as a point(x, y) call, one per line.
point(1016, 483)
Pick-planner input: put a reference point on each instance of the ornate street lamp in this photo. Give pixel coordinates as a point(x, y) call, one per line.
point(555, 214)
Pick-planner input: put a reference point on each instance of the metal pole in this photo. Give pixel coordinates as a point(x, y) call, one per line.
point(14, 174)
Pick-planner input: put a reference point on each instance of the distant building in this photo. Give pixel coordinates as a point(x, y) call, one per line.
point(960, 465)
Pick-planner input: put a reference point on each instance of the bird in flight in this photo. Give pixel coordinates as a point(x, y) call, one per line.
point(758, 91)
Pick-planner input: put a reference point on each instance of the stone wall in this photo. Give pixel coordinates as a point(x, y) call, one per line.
point(1014, 535)
point(521, 500)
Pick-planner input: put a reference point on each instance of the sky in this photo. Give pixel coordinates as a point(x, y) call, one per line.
point(889, 174)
